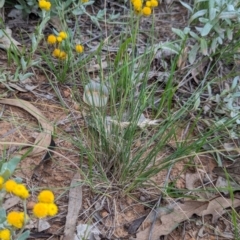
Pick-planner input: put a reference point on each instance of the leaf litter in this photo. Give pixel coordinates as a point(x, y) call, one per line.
point(171, 215)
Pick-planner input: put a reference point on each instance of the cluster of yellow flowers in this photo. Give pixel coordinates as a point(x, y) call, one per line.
point(45, 206)
point(17, 189)
point(53, 40)
point(144, 7)
point(16, 219)
point(57, 52)
point(44, 5)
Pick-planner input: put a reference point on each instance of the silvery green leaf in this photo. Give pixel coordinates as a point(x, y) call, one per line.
point(2, 3)
point(179, 33)
point(10, 165)
point(219, 39)
point(95, 20)
point(1, 33)
point(203, 20)
point(199, 29)
point(230, 7)
point(19, 7)
point(171, 47)
point(193, 53)
point(229, 34)
point(206, 29)
point(101, 13)
point(212, 13)
point(24, 235)
point(22, 77)
point(77, 11)
point(236, 95)
point(186, 6)
point(204, 46)
point(186, 30)
point(197, 15)
point(235, 82)
point(230, 15)
point(214, 45)
point(211, 4)
point(2, 215)
point(23, 63)
point(34, 42)
point(194, 35)
point(114, 16)
point(197, 101)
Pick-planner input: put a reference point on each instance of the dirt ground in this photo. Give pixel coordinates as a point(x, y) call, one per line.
point(113, 214)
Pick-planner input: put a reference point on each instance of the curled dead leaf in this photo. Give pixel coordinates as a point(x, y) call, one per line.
point(44, 138)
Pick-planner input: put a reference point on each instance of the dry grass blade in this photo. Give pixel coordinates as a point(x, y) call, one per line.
point(44, 138)
point(74, 206)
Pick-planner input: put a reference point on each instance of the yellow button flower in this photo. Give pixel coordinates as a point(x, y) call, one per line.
point(59, 39)
point(62, 55)
point(51, 39)
point(79, 48)
point(137, 4)
point(148, 4)
point(52, 209)
point(63, 35)
point(85, 1)
point(46, 196)
point(154, 3)
point(16, 219)
point(21, 191)
point(5, 234)
point(146, 11)
point(56, 53)
point(10, 185)
point(40, 210)
point(44, 5)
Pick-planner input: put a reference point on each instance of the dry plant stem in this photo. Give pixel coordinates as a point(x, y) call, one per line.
point(158, 204)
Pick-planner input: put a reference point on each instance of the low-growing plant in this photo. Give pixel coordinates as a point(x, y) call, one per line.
point(12, 223)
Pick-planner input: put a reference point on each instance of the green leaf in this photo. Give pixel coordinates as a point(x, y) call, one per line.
point(206, 29)
point(204, 46)
point(77, 11)
point(24, 235)
point(2, 215)
point(2, 3)
point(193, 53)
point(179, 32)
point(10, 165)
point(194, 35)
point(186, 6)
point(197, 15)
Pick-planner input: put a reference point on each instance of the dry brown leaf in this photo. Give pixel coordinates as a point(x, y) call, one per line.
point(44, 138)
point(6, 40)
point(183, 211)
point(217, 207)
point(11, 202)
point(74, 206)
